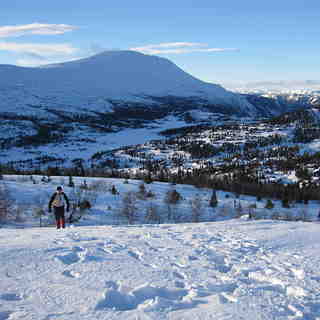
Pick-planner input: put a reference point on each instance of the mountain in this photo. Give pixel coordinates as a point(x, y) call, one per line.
point(276, 86)
point(107, 81)
point(281, 102)
point(55, 114)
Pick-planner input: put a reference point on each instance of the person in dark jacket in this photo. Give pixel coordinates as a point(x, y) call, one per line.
point(58, 201)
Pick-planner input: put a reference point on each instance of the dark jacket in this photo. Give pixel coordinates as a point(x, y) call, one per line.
point(54, 196)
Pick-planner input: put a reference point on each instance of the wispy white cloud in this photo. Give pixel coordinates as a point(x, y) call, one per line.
point(35, 28)
point(179, 48)
point(36, 53)
point(29, 61)
point(39, 49)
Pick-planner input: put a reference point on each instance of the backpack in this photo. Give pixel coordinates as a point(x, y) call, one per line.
point(58, 200)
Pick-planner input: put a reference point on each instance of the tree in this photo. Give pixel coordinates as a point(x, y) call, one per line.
point(213, 201)
point(71, 183)
point(171, 199)
point(285, 203)
point(269, 204)
point(114, 190)
point(148, 179)
point(303, 173)
point(142, 192)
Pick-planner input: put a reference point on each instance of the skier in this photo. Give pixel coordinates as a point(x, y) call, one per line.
point(57, 201)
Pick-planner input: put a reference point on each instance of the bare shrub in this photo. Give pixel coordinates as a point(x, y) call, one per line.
point(275, 215)
point(152, 213)
point(150, 194)
point(171, 199)
point(288, 216)
point(23, 179)
point(62, 181)
point(17, 212)
point(238, 210)
point(39, 213)
point(84, 185)
point(129, 206)
point(224, 211)
point(99, 185)
point(39, 207)
point(196, 204)
point(33, 180)
point(304, 214)
point(5, 203)
point(142, 193)
point(82, 200)
point(250, 210)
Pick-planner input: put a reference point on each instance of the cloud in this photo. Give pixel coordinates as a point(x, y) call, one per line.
point(179, 48)
point(31, 62)
point(35, 28)
point(38, 49)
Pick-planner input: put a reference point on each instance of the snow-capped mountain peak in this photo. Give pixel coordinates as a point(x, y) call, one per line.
point(128, 76)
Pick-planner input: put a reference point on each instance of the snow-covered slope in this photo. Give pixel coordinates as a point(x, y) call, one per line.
point(223, 270)
point(89, 84)
point(95, 269)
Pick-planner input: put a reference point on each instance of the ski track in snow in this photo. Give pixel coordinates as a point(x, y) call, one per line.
point(185, 271)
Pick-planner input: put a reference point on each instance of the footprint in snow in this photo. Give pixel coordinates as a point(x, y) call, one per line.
point(193, 258)
point(55, 249)
point(298, 273)
point(71, 274)
point(179, 284)
point(76, 255)
point(112, 247)
point(135, 254)
point(218, 261)
point(5, 315)
point(178, 275)
point(145, 297)
point(10, 297)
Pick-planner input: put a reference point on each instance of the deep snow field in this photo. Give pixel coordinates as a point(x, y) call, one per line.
point(102, 268)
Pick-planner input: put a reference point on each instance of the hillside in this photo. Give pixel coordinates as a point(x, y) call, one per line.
point(107, 81)
point(60, 114)
point(103, 268)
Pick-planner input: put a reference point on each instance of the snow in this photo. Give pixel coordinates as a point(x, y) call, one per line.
point(95, 141)
point(87, 85)
point(221, 270)
point(229, 269)
point(12, 129)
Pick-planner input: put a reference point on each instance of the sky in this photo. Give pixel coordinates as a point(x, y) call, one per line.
point(227, 41)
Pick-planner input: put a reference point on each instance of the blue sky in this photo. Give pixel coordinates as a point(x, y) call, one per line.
point(219, 41)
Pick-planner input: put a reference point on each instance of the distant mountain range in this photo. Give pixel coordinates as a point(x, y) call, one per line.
point(125, 82)
point(276, 86)
point(61, 112)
